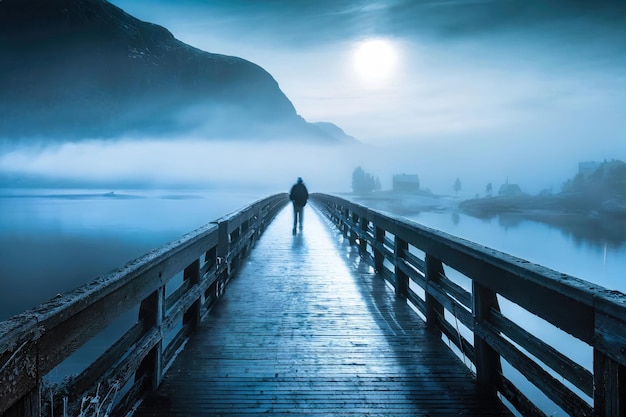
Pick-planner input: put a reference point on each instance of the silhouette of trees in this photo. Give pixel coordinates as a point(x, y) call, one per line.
point(457, 186)
point(364, 182)
point(606, 181)
point(489, 189)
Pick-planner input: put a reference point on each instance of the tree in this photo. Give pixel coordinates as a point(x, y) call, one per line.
point(489, 189)
point(616, 179)
point(578, 183)
point(362, 182)
point(377, 186)
point(457, 186)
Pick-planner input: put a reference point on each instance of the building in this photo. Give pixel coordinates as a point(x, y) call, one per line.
point(588, 168)
point(404, 183)
point(509, 190)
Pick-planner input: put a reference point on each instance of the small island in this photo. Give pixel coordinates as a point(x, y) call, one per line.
point(597, 190)
point(591, 206)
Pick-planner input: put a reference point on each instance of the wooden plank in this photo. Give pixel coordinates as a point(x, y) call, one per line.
point(609, 395)
point(305, 329)
point(464, 346)
point(84, 382)
point(563, 300)
point(488, 365)
point(402, 279)
point(555, 360)
point(18, 366)
point(538, 376)
point(517, 399)
point(434, 306)
point(33, 340)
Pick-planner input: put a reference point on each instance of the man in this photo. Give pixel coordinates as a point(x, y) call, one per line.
point(298, 196)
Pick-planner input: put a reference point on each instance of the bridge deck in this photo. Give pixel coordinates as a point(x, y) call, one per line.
point(305, 328)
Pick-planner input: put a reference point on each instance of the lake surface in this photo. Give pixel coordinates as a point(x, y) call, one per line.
point(52, 241)
point(593, 260)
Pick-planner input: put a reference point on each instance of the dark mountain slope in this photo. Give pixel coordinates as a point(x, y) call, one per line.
point(72, 69)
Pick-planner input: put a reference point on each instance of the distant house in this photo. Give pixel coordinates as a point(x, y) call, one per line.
point(588, 168)
point(404, 183)
point(509, 190)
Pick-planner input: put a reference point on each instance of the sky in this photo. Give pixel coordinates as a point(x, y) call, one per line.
point(460, 66)
point(539, 80)
point(487, 91)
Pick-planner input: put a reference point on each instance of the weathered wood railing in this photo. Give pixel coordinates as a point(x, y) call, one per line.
point(35, 342)
point(412, 257)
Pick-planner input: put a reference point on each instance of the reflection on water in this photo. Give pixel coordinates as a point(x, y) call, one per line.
point(601, 262)
point(53, 241)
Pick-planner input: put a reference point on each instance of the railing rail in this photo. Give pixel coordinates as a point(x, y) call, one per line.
point(590, 313)
point(35, 342)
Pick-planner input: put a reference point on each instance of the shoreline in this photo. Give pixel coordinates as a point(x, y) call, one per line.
point(582, 218)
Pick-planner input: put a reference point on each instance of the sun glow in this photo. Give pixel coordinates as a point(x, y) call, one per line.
point(375, 61)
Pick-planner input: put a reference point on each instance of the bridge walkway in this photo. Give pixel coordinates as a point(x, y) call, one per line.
point(305, 328)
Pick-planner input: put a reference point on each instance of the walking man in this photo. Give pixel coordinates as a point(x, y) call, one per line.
point(298, 196)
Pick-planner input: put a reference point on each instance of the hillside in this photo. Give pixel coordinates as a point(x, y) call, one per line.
point(596, 192)
point(74, 69)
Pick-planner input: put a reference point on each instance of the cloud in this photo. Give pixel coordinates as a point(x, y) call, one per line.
point(474, 65)
point(181, 162)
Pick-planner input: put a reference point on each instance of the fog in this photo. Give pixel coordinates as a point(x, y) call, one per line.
point(269, 167)
point(482, 90)
point(472, 67)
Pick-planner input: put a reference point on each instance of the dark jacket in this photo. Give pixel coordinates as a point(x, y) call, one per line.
point(299, 194)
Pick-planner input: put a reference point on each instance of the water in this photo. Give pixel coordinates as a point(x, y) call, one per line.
point(599, 261)
point(52, 241)
point(568, 250)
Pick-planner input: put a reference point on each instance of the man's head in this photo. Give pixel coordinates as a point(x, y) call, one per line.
point(299, 180)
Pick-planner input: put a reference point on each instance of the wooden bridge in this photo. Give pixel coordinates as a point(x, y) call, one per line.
point(361, 314)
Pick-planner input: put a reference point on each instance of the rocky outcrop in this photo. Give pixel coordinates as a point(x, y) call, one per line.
point(74, 69)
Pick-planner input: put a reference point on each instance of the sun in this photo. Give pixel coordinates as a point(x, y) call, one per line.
point(375, 60)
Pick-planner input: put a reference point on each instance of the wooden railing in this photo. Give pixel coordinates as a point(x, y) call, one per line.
point(412, 259)
point(35, 342)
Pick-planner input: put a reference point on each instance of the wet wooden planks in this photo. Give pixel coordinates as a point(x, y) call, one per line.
point(306, 329)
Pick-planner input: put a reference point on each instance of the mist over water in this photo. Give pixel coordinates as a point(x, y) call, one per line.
point(52, 241)
point(269, 166)
point(486, 92)
point(187, 163)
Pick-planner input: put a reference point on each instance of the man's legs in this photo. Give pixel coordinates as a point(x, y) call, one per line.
point(297, 217)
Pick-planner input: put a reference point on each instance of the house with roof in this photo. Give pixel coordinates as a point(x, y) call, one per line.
point(406, 183)
point(509, 190)
point(587, 168)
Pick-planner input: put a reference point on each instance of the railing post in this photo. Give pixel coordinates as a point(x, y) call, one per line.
point(355, 222)
point(28, 406)
point(609, 386)
point(379, 256)
point(487, 360)
point(223, 247)
point(402, 279)
point(363, 242)
point(151, 312)
point(434, 309)
point(257, 224)
point(346, 228)
point(192, 275)
point(609, 360)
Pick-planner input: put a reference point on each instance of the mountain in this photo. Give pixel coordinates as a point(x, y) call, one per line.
point(336, 132)
point(74, 69)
